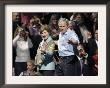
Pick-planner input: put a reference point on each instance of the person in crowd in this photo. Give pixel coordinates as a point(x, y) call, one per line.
point(72, 17)
point(25, 18)
point(16, 20)
point(30, 69)
point(74, 22)
point(34, 31)
point(45, 18)
point(53, 25)
point(72, 25)
point(54, 30)
point(79, 20)
point(93, 44)
point(66, 42)
point(95, 67)
point(88, 22)
point(93, 52)
point(34, 26)
point(85, 61)
point(89, 35)
point(47, 65)
point(22, 43)
point(94, 18)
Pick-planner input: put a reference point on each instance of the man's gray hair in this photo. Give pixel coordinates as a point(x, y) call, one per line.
point(63, 19)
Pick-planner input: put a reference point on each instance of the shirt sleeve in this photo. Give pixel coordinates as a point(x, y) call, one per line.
point(74, 36)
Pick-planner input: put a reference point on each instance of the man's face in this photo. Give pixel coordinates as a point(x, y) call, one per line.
point(78, 18)
point(63, 26)
point(81, 51)
point(30, 67)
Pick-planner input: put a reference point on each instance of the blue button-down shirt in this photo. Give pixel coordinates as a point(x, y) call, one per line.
point(64, 48)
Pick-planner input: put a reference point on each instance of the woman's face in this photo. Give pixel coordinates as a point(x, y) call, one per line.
point(45, 34)
point(54, 20)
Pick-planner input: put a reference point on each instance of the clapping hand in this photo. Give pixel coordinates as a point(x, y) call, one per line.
point(43, 48)
point(70, 41)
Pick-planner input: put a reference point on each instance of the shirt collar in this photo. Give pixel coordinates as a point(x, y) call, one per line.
point(65, 32)
point(48, 39)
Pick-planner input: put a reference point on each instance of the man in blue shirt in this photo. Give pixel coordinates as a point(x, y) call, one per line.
point(67, 39)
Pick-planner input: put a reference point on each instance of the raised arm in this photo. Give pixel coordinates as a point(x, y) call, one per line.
point(15, 40)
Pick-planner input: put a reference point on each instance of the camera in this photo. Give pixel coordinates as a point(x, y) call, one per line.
point(22, 32)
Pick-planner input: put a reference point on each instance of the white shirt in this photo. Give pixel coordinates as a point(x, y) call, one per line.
point(22, 49)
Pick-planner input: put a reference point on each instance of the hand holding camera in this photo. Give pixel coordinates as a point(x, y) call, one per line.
point(22, 33)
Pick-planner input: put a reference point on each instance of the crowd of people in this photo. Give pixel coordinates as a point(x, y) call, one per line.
point(55, 44)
